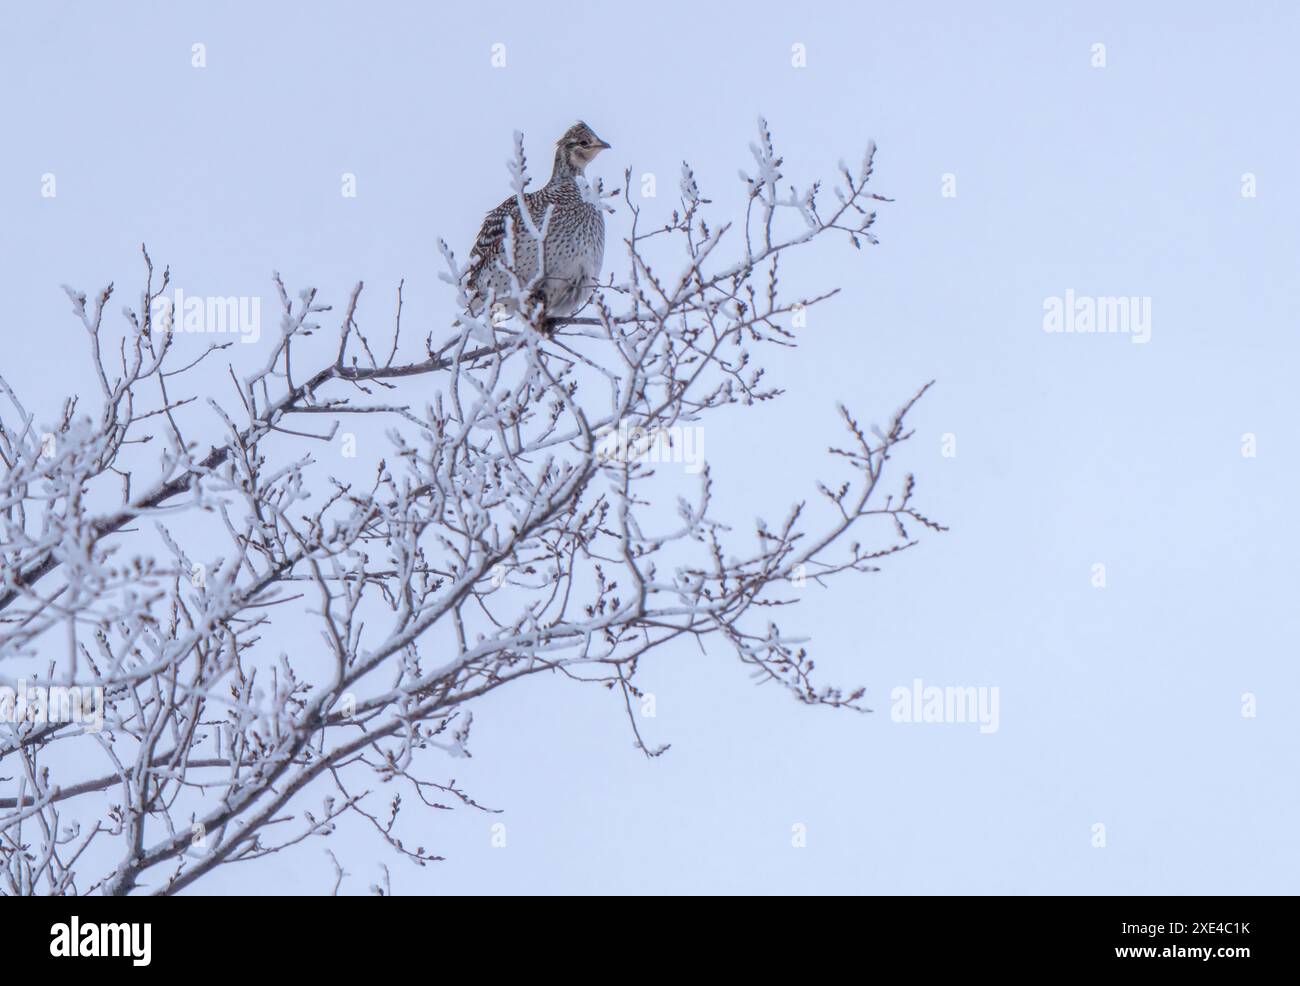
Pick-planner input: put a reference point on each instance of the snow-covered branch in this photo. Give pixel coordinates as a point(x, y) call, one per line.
point(267, 636)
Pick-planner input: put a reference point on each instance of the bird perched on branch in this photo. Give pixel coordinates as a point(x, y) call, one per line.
point(571, 231)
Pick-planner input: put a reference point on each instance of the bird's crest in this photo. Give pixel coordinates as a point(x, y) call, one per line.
point(577, 133)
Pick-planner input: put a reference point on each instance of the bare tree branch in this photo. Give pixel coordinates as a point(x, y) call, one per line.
point(540, 506)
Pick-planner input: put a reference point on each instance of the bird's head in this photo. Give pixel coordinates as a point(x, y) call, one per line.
point(579, 146)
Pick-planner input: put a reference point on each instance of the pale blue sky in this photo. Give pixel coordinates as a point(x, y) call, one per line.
point(1119, 706)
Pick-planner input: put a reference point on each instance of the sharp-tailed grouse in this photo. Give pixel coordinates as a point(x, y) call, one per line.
point(572, 249)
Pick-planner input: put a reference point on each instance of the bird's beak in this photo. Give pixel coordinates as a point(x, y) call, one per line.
point(601, 145)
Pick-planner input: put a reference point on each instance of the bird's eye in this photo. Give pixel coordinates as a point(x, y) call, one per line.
point(584, 143)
